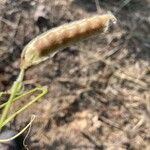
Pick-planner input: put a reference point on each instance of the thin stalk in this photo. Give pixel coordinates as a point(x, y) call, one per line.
point(1, 93)
point(44, 91)
point(15, 88)
point(18, 134)
point(20, 96)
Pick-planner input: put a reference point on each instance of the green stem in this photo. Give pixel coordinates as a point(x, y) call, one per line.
point(20, 96)
point(14, 90)
point(1, 93)
point(44, 91)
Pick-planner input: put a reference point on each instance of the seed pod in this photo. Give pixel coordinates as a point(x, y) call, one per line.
point(61, 37)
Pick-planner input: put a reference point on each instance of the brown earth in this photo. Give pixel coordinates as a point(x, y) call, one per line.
point(98, 95)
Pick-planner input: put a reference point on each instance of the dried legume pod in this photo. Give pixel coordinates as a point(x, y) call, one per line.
point(61, 37)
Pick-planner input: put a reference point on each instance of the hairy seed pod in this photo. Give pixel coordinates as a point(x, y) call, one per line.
point(61, 37)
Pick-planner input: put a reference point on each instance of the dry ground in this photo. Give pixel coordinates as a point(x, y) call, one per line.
point(98, 95)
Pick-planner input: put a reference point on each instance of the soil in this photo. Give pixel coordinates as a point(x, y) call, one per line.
point(98, 90)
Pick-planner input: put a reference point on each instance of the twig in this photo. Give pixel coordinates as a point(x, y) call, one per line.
point(25, 145)
point(123, 75)
point(110, 123)
point(98, 6)
point(125, 2)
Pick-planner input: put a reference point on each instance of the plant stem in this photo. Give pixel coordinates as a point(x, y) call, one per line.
point(20, 96)
point(15, 87)
point(43, 92)
point(18, 134)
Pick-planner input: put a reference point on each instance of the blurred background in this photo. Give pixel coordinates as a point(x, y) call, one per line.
point(99, 95)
